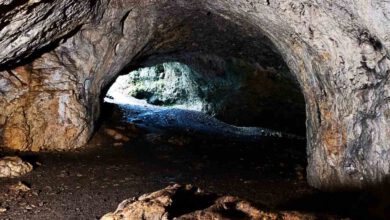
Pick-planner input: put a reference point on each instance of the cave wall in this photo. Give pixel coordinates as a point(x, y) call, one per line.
point(56, 61)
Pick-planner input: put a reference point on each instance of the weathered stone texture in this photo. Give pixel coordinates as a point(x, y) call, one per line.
point(42, 107)
point(337, 50)
point(14, 167)
point(29, 25)
point(188, 202)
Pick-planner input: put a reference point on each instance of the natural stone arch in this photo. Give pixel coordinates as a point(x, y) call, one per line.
point(339, 53)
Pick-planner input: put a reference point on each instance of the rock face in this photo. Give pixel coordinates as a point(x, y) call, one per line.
point(232, 91)
point(14, 167)
point(188, 202)
point(58, 57)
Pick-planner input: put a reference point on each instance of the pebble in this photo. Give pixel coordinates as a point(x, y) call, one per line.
point(19, 187)
point(116, 135)
point(118, 144)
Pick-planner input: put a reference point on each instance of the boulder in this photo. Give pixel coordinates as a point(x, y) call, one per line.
point(185, 202)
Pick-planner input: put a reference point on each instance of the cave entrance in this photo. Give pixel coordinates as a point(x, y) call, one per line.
point(231, 92)
point(236, 88)
point(208, 127)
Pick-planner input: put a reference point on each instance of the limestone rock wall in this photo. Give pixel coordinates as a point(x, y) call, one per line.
point(29, 25)
point(42, 107)
point(337, 50)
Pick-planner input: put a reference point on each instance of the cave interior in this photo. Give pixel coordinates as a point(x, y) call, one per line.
point(113, 100)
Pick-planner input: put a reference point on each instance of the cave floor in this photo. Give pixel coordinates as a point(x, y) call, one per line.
point(91, 182)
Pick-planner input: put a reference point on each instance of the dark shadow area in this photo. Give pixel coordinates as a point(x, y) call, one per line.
point(372, 202)
point(188, 201)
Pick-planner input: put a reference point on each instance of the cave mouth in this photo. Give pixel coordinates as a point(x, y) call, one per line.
point(153, 126)
point(166, 122)
point(229, 92)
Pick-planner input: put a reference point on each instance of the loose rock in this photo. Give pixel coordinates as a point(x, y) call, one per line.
point(19, 187)
point(14, 167)
point(116, 135)
point(188, 202)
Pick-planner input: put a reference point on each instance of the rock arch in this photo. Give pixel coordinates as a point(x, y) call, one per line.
point(57, 57)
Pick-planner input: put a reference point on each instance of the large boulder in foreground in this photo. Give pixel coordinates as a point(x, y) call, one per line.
point(185, 202)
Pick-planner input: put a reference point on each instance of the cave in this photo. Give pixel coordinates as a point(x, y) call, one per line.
point(305, 84)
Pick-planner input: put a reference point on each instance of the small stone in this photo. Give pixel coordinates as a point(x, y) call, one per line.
point(118, 144)
point(116, 135)
point(14, 167)
point(19, 187)
point(178, 140)
point(154, 138)
point(2, 210)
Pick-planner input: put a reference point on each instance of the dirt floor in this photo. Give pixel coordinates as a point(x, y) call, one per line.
point(91, 182)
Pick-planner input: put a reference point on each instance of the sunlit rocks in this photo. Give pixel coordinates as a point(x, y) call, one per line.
point(187, 202)
point(14, 167)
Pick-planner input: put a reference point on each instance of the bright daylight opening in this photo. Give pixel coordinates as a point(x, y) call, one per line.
point(231, 99)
